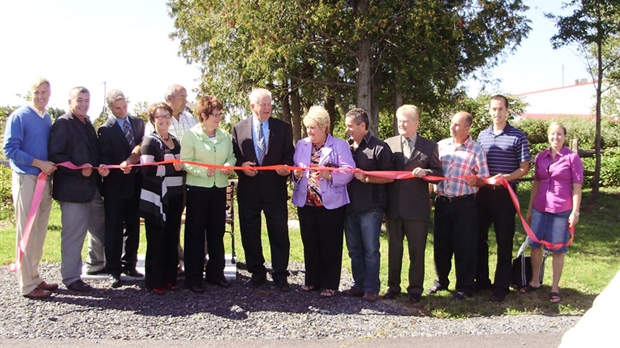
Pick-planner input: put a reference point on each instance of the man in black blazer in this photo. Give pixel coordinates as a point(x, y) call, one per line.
point(120, 138)
point(263, 141)
point(409, 202)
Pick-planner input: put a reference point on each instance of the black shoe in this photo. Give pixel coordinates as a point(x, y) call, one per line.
point(498, 295)
point(353, 292)
point(132, 272)
point(390, 295)
point(256, 281)
point(414, 298)
point(196, 289)
point(222, 283)
point(460, 295)
point(283, 285)
point(79, 286)
point(97, 272)
point(115, 281)
point(436, 288)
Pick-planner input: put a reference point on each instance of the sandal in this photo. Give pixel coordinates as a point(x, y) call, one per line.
point(555, 297)
point(328, 293)
point(528, 288)
point(309, 287)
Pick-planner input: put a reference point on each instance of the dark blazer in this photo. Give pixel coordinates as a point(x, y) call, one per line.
point(76, 142)
point(409, 199)
point(267, 186)
point(114, 149)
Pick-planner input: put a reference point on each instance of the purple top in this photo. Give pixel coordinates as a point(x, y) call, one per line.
point(555, 193)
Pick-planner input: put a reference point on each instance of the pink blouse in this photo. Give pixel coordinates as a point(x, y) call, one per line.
point(556, 177)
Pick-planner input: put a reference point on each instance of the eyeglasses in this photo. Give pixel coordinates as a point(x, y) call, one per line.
point(163, 117)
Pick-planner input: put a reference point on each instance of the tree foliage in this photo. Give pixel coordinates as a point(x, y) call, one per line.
point(592, 25)
point(344, 53)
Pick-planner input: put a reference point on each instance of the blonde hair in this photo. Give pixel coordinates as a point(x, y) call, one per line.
point(38, 82)
point(556, 124)
point(320, 116)
point(409, 109)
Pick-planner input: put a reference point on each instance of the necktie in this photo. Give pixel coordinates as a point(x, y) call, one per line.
point(128, 133)
point(261, 144)
point(407, 148)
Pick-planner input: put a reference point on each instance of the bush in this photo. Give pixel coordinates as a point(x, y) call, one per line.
point(6, 198)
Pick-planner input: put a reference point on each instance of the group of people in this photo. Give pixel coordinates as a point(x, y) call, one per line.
point(332, 190)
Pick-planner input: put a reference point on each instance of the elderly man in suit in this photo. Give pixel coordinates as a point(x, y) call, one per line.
point(409, 205)
point(73, 138)
point(262, 140)
point(120, 138)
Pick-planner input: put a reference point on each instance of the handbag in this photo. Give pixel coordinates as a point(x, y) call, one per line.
point(522, 267)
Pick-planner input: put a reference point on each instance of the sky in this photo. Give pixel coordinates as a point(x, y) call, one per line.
point(125, 44)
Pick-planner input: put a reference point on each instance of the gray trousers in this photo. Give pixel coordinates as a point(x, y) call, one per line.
point(76, 219)
point(95, 259)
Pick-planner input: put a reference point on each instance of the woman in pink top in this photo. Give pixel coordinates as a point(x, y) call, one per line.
point(554, 204)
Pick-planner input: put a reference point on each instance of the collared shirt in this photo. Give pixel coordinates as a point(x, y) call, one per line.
point(371, 154)
point(121, 123)
point(177, 127)
point(39, 112)
point(556, 177)
point(460, 160)
point(411, 141)
point(265, 125)
point(505, 151)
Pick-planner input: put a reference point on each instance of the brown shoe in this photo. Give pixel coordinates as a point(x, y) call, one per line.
point(38, 293)
point(47, 286)
point(353, 292)
point(370, 297)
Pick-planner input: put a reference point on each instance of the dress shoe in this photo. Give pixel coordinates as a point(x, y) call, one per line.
point(79, 286)
point(132, 272)
point(47, 286)
point(390, 295)
point(97, 272)
point(115, 281)
point(436, 288)
point(196, 289)
point(370, 296)
point(38, 293)
point(498, 295)
point(283, 285)
point(159, 291)
point(353, 292)
point(221, 283)
point(414, 298)
point(460, 295)
point(481, 286)
point(256, 281)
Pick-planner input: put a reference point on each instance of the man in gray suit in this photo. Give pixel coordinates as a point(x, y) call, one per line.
point(409, 202)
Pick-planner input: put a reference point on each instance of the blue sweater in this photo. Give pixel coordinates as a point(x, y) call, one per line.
point(25, 138)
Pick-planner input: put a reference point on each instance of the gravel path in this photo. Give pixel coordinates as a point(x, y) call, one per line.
point(130, 313)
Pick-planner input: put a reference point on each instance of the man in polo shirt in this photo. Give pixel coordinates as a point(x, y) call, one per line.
point(508, 156)
point(456, 217)
point(368, 196)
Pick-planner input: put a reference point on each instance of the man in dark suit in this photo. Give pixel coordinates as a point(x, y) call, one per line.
point(120, 138)
point(409, 202)
point(73, 138)
point(263, 141)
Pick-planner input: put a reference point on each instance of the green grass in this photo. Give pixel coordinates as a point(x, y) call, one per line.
point(591, 263)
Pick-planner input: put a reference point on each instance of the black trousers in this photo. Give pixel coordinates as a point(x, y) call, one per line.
point(250, 222)
point(495, 207)
point(161, 246)
point(205, 217)
point(456, 231)
point(322, 236)
point(122, 226)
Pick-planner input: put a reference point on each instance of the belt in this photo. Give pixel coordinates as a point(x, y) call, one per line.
point(451, 199)
point(494, 187)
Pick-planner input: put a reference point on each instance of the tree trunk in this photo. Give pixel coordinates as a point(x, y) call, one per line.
point(296, 111)
point(398, 102)
point(374, 100)
point(597, 136)
point(363, 83)
point(330, 106)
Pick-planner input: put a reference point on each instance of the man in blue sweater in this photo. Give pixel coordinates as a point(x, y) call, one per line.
point(25, 145)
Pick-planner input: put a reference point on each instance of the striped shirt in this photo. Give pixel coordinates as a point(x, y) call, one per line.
point(505, 151)
point(460, 160)
point(177, 128)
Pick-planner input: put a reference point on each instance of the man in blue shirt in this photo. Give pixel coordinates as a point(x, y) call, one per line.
point(25, 145)
point(508, 156)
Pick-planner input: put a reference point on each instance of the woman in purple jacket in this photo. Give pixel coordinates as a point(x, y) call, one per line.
point(554, 204)
point(321, 196)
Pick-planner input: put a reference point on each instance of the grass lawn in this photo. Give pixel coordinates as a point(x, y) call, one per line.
point(591, 263)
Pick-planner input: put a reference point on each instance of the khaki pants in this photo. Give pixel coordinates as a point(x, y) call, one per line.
point(23, 186)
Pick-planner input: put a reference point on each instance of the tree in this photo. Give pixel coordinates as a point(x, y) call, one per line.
point(592, 24)
point(343, 53)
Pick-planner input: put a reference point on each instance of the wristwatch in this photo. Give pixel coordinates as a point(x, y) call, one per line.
point(366, 179)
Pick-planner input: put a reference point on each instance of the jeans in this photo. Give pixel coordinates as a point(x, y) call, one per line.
point(362, 232)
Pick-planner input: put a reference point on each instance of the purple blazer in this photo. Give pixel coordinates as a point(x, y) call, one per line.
point(334, 193)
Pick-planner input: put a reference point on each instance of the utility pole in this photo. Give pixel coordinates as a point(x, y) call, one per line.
point(103, 111)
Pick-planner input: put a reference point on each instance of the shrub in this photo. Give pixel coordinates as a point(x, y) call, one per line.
point(6, 199)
